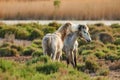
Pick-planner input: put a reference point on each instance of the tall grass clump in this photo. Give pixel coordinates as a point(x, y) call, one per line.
point(49, 67)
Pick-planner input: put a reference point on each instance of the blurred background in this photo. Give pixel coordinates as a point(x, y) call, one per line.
point(59, 9)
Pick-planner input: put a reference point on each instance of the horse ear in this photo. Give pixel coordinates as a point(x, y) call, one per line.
point(67, 25)
point(80, 27)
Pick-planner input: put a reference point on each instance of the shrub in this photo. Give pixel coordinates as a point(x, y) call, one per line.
point(117, 41)
point(28, 51)
point(44, 59)
point(87, 52)
point(37, 41)
point(99, 24)
point(91, 65)
point(49, 68)
point(9, 30)
point(111, 46)
point(8, 52)
point(100, 54)
point(48, 30)
point(54, 24)
point(36, 33)
point(111, 57)
point(106, 38)
point(81, 67)
point(103, 72)
point(37, 53)
point(5, 45)
point(116, 25)
point(22, 34)
point(5, 65)
point(39, 76)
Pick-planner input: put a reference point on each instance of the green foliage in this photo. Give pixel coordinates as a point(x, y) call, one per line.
point(22, 34)
point(28, 51)
point(57, 3)
point(48, 30)
point(8, 29)
point(117, 41)
point(104, 72)
point(111, 56)
point(100, 54)
point(91, 65)
point(116, 25)
point(49, 68)
point(54, 24)
point(36, 33)
point(99, 24)
point(5, 65)
point(44, 59)
point(8, 52)
point(37, 53)
point(8, 49)
point(37, 41)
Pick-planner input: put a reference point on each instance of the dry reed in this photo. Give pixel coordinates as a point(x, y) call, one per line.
point(72, 9)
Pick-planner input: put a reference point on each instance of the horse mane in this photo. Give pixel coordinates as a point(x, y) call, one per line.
point(63, 30)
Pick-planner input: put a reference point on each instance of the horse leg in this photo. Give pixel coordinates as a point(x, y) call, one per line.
point(67, 58)
point(59, 55)
point(54, 53)
point(75, 55)
point(72, 58)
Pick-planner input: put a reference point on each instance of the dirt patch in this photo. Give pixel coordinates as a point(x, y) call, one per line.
point(20, 59)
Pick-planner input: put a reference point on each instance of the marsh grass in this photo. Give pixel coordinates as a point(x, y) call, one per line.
point(46, 9)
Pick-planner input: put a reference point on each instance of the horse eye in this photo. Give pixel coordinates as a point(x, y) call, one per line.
point(84, 32)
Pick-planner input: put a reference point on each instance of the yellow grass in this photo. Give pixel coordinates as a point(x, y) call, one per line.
point(69, 9)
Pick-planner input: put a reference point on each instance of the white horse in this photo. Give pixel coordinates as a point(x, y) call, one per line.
point(52, 43)
point(71, 44)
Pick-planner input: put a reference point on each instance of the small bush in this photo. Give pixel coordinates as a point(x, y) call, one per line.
point(116, 25)
point(8, 52)
point(103, 72)
point(37, 41)
point(106, 38)
point(112, 57)
point(81, 67)
point(44, 59)
point(54, 24)
point(48, 30)
point(28, 51)
point(100, 54)
point(111, 46)
point(8, 30)
point(99, 24)
point(5, 65)
point(18, 48)
point(22, 34)
point(117, 41)
point(37, 53)
point(49, 68)
point(91, 65)
point(87, 52)
point(5, 45)
point(36, 33)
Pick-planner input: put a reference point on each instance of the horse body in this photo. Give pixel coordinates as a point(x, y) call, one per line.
point(52, 44)
point(70, 48)
point(71, 44)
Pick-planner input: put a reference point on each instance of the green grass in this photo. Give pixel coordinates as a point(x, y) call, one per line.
point(41, 67)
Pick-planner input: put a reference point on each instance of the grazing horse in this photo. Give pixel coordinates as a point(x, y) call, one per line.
point(71, 45)
point(52, 43)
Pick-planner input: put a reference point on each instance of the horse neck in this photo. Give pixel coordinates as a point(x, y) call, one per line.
point(61, 33)
point(74, 37)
